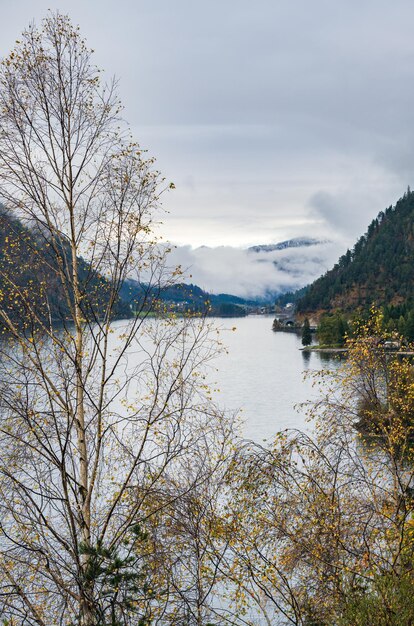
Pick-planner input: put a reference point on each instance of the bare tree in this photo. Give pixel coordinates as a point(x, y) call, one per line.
point(100, 422)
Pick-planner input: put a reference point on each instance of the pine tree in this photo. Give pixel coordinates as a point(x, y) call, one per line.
point(306, 333)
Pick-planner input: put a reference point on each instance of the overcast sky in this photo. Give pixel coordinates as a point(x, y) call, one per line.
point(274, 118)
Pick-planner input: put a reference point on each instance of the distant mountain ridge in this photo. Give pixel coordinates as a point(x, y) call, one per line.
point(187, 297)
point(378, 270)
point(296, 242)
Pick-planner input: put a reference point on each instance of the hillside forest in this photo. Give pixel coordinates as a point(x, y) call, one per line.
point(378, 271)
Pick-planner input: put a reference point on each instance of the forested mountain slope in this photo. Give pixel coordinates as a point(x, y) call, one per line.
point(31, 283)
point(184, 297)
point(378, 270)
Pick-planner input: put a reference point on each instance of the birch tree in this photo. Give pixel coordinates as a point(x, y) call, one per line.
point(98, 420)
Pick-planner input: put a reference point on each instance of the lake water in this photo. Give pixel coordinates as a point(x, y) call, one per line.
point(262, 375)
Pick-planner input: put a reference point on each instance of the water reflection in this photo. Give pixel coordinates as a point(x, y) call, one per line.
point(306, 355)
point(326, 358)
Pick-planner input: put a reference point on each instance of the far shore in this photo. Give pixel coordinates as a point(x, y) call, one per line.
point(317, 349)
point(337, 350)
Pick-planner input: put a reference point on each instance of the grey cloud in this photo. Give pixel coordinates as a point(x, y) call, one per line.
point(253, 108)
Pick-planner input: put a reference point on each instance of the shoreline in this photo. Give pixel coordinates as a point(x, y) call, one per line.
point(342, 350)
point(316, 349)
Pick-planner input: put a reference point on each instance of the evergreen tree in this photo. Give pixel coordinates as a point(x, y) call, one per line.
point(306, 333)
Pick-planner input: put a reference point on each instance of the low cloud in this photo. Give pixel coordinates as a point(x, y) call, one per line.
point(248, 274)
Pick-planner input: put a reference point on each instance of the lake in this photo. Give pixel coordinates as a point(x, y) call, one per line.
point(262, 375)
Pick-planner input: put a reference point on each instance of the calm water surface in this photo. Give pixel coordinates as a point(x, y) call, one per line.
point(263, 376)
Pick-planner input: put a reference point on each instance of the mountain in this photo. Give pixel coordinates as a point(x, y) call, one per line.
point(31, 282)
point(378, 270)
point(297, 242)
point(186, 297)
